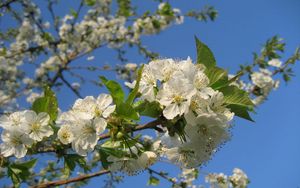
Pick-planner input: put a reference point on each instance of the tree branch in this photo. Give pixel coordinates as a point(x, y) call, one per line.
point(71, 180)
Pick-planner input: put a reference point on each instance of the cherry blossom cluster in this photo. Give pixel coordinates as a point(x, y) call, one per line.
point(182, 90)
point(21, 130)
point(261, 82)
point(237, 180)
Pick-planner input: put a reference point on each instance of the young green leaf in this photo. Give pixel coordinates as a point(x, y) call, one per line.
point(114, 89)
point(150, 109)
point(234, 95)
point(204, 54)
point(240, 111)
point(218, 77)
point(238, 101)
point(153, 181)
point(47, 103)
point(126, 110)
point(135, 90)
point(19, 172)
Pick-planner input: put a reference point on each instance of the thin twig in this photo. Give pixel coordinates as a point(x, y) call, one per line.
point(71, 180)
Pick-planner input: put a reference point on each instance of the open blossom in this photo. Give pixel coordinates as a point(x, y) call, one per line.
point(176, 95)
point(130, 165)
point(89, 107)
point(81, 132)
point(275, 63)
point(262, 79)
point(163, 69)
point(38, 125)
point(239, 179)
point(147, 84)
point(15, 119)
point(15, 142)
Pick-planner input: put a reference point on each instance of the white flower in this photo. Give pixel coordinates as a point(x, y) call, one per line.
point(148, 84)
point(131, 66)
point(262, 79)
point(217, 180)
point(87, 135)
point(38, 125)
point(65, 134)
point(15, 119)
point(239, 179)
point(15, 142)
point(89, 107)
point(175, 95)
point(146, 159)
point(81, 132)
point(275, 63)
point(130, 165)
point(163, 69)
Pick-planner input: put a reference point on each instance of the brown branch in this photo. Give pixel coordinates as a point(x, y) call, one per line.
point(7, 3)
point(71, 180)
point(75, 91)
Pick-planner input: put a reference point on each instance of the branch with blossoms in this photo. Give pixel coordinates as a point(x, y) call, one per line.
point(191, 103)
point(90, 25)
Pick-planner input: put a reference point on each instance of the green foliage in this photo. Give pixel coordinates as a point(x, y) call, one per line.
point(218, 77)
point(150, 109)
point(70, 162)
point(132, 95)
point(123, 109)
point(90, 2)
point(204, 54)
point(166, 10)
point(207, 13)
point(114, 89)
point(19, 172)
point(124, 8)
point(47, 103)
point(238, 101)
point(240, 111)
point(126, 111)
point(153, 181)
point(73, 13)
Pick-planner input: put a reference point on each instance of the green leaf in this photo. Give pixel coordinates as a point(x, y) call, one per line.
point(240, 111)
point(132, 95)
point(204, 54)
point(20, 171)
point(123, 109)
point(150, 109)
point(238, 101)
point(47, 103)
point(70, 162)
point(218, 77)
point(153, 181)
point(73, 13)
point(126, 110)
point(113, 151)
point(124, 8)
point(114, 89)
point(90, 2)
point(234, 95)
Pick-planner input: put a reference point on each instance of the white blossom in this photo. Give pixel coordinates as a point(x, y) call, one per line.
point(275, 63)
point(38, 125)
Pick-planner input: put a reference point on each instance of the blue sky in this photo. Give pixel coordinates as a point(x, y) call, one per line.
point(267, 150)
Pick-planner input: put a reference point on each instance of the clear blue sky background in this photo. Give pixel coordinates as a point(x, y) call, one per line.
point(267, 150)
